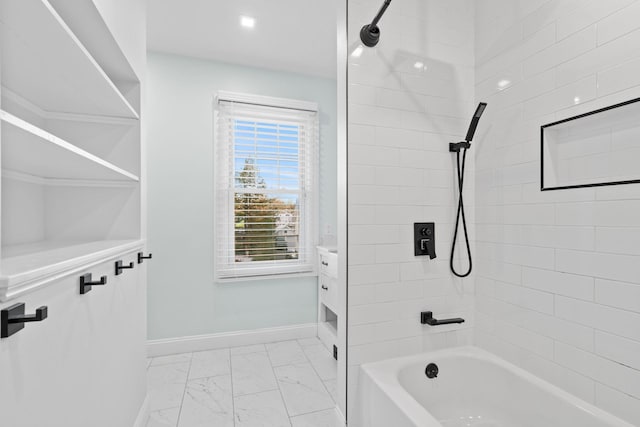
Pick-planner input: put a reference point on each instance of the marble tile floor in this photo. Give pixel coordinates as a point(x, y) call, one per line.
point(281, 384)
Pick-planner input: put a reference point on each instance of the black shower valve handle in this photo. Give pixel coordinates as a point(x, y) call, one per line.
point(426, 318)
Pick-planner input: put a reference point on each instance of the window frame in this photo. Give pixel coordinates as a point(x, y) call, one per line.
point(224, 188)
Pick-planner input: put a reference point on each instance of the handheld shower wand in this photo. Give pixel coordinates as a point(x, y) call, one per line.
point(456, 148)
point(370, 33)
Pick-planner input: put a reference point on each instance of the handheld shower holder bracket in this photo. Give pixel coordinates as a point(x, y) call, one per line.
point(455, 147)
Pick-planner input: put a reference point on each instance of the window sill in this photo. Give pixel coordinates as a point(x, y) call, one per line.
point(225, 280)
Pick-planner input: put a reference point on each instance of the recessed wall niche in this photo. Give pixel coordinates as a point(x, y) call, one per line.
point(598, 148)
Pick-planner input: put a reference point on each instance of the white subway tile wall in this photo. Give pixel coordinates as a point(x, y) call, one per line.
point(408, 98)
point(558, 277)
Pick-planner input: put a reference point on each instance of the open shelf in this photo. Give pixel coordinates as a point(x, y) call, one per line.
point(332, 326)
point(328, 323)
point(29, 266)
point(328, 334)
point(31, 151)
point(45, 63)
point(86, 22)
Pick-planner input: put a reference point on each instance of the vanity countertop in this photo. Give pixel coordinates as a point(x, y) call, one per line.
point(328, 249)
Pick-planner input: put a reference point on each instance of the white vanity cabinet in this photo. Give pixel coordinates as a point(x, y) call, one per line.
point(328, 297)
point(72, 203)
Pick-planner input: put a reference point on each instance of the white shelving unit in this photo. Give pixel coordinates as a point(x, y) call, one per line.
point(70, 144)
point(55, 159)
point(71, 204)
point(55, 72)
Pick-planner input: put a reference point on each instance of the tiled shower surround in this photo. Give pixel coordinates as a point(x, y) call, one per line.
point(408, 98)
point(558, 277)
point(556, 288)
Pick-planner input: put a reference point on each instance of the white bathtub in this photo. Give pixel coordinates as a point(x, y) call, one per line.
point(473, 388)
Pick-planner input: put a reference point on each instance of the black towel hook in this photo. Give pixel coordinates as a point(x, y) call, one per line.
point(12, 319)
point(120, 267)
point(141, 257)
point(86, 283)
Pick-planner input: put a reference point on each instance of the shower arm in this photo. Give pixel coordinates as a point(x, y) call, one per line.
point(381, 12)
point(370, 33)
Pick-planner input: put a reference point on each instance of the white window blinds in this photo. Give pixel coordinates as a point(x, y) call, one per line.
point(265, 169)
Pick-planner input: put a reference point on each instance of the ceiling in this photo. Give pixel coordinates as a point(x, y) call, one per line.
point(291, 35)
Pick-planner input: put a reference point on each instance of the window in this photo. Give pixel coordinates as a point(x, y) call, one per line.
point(265, 169)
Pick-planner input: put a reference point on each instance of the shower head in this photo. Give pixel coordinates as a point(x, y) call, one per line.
point(475, 120)
point(466, 144)
point(370, 33)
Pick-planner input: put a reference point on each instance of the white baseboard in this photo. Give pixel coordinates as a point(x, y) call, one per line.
point(189, 344)
point(143, 413)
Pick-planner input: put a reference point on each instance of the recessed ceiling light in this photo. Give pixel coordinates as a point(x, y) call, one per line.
point(576, 100)
point(418, 65)
point(357, 52)
point(247, 21)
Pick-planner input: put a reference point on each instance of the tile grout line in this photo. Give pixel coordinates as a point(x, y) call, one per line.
point(273, 370)
point(177, 407)
point(230, 364)
point(254, 392)
point(314, 412)
point(318, 374)
point(163, 365)
point(233, 398)
point(184, 391)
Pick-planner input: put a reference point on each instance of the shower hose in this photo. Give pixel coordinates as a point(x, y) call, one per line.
point(460, 215)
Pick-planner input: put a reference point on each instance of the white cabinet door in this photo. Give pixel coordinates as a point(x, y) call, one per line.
point(329, 292)
point(85, 364)
point(329, 264)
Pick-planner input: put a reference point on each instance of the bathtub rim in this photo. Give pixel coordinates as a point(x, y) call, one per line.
point(385, 375)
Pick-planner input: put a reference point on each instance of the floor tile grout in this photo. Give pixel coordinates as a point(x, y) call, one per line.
point(273, 369)
point(233, 400)
point(318, 374)
point(184, 392)
point(264, 349)
point(313, 412)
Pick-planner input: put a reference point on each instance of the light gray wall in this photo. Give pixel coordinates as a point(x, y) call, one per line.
point(183, 297)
